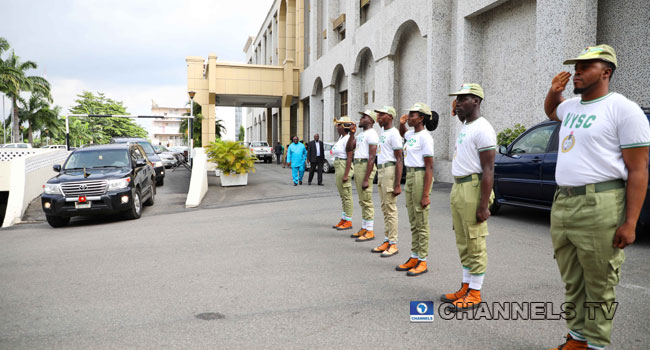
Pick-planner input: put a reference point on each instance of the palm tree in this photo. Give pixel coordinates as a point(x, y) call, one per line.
point(219, 128)
point(37, 114)
point(14, 81)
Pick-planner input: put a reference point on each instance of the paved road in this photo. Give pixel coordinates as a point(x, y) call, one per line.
point(264, 258)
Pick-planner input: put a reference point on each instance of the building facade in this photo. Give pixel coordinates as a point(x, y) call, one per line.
point(166, 132)
point(350, 55)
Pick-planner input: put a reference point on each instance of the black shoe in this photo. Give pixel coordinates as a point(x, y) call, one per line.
point(321, 185)
point(295, 184)
point(300, 182)
point(309, 183)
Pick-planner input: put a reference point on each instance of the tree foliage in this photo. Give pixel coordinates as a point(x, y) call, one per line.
point(508, 135)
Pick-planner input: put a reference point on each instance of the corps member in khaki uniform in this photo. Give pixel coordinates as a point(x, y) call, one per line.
point(602, 174)
point(389, 165)
point(418, 159)
point(364, 146)
point(342, 167)
point(471, 194)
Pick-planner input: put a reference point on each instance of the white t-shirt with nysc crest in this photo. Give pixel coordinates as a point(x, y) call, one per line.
point(474, 138)
point(364, 140)
point(338, 150)
point(592, 135)
point(417, 145)
point(389, 141)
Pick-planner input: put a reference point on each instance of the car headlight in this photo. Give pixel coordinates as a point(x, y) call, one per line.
point(158, 164)
point(52, 189)
point(118, 184)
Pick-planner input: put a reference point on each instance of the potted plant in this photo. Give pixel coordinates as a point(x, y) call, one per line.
point(233, 159)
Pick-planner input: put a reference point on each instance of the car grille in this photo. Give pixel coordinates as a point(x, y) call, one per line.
point(84, 188)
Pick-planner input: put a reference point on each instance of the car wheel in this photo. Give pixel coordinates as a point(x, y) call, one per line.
point(160, 182)
point(57, 221)
point(151, 199)
point(136, 206)
point(494, 208)
point(326, 167)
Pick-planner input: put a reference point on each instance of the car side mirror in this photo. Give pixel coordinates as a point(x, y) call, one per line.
point(57, 168)
point(140, 163)
point(503, 149)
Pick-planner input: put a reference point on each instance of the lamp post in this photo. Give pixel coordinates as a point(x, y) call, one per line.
point(190, 125)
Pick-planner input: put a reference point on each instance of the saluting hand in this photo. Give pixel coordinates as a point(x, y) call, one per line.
point(453, 107)
point(558, 84)
point(403, 119)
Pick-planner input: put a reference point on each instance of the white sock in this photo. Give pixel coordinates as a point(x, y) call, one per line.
point(422, 259)
point(343, 215)
point(370, 225)
point(414, 256)
point(476, 281)
point(594, 347)
point(466, 275)
point(577, 336)
point(363, 224)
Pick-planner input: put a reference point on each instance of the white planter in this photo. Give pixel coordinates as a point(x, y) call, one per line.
point(234, 180)
point(217, 172)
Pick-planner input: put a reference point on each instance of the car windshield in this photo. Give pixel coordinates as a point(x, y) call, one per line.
point(148, 149)
point(98, 159)
point(259, 144)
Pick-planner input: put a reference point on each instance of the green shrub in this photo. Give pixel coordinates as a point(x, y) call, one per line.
point(508, 135)
point(231, 157)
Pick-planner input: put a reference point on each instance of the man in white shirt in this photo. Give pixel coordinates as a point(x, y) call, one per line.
point(602, 174)
point(389, 164)
point(471, 194)
point(364, 146)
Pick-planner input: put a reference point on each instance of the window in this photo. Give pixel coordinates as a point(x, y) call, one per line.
point(341, 34)
point(373, 96)
point(365, 5)
point(365, 98)
point(344, 103)
point(534, 141)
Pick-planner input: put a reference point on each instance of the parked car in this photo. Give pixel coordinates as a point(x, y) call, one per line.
point(169, 158)
point(106, 179)
point(56, 147)
point(151, 154)
point(262, 151)
point(17, 145)
point(183, 150)
point(524, 172)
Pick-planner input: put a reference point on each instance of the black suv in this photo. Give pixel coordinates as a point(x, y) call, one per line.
point(104, 179)
point(151, 154)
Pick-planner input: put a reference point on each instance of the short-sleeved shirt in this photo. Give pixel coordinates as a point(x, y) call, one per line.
point(474, 138)
point(417, 145)
point(592, 135)
point(364, 140)
point(338, 150)
point(389, 141)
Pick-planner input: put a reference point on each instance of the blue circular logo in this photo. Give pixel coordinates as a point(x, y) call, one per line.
point(422, 308)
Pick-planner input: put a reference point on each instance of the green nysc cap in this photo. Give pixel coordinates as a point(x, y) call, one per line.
point(469, 89)
point(420, 107)
point(387, 110)
point(601, 52)
point(369, 113)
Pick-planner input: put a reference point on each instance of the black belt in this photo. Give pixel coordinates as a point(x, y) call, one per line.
point(360, 160)
point(599, 187)
point(463, 179)
point(385, 165)
point(337, 158)
point(410, 169)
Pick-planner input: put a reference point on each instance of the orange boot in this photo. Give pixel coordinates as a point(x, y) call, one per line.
point(368, 236)
point(339, 224)
point(359, 234)
point(347, 225)
point(572, 344)
point(381, 248)
point(392, 250)
point(471, 300)
point(451, 297)
point(419, 269)
point(409, 264)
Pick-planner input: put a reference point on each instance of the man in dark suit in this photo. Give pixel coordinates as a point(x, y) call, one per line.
point(316, 157)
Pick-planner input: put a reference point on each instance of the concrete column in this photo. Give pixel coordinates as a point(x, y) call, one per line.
point(385, 82)
point(313, 31)
point(269, 126)
point(316, 115)
point(563, 29)
point(355, 96)
point(329, 106)
point(285, 117)
point(300, 121)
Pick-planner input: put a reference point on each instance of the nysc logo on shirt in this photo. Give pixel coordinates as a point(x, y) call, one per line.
point(411, 142)
point(574, 120)
point(461, 136)
point(568, 143)
point(382, 139)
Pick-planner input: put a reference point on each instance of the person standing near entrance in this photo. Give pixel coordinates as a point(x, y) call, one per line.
point(316, 157)
point(342, 167)
point(364, 146)
point(296, 155)
point(602, 174)
point(389, 165)
point(418, 158)
point(278, 150)
point(471, 194)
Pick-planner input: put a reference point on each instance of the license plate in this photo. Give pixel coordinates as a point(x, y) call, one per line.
point(78, 205)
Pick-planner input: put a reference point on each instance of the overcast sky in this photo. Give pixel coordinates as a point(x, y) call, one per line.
point(134, 51)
